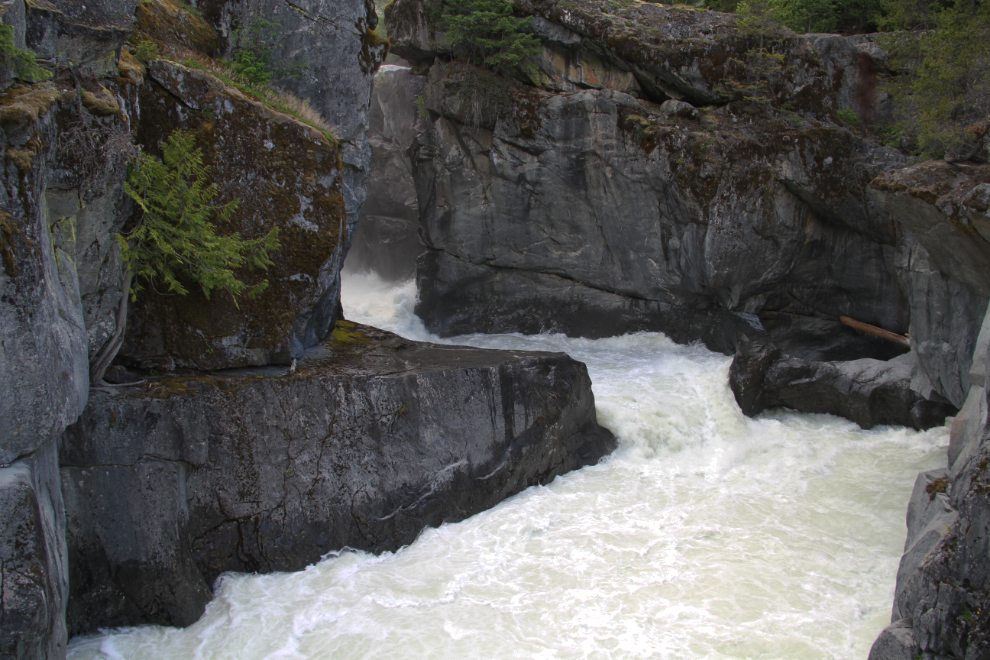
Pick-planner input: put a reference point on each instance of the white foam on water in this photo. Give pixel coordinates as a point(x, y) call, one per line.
point(705, 535)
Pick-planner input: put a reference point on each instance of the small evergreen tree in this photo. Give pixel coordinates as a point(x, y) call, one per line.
point(22, 63)
point(486, 32)
point(176, 241)
point(753, 73)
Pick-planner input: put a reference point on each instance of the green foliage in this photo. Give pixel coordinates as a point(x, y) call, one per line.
point(760, 18)
point(803, 16)
point(808, 15)
point(176, 241)
point(253, 55)
point(145, 51)
point(849, 116)
point(21, 62)
point(273, 97)
point(753, 74)
point(941, 90)
point(486, 32)
point(421, 109)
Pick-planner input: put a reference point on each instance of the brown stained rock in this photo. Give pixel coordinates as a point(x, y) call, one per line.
point(286, 175)
point(946, 206)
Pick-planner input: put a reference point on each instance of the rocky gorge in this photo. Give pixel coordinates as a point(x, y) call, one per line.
point(265, 433)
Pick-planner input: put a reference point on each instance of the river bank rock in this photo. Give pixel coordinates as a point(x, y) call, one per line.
point(595, 190)
point(867, 391)
point(372, 439)
point(58, 209)
point(943, 263)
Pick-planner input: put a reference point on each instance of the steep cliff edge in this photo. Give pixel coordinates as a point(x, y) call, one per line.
point(941, 604)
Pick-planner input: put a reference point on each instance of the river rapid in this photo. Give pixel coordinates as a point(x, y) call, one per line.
point(705, 535)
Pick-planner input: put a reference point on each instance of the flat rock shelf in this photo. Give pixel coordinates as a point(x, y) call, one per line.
point(371, 439)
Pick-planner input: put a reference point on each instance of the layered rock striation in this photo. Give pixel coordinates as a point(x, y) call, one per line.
point(630, 179)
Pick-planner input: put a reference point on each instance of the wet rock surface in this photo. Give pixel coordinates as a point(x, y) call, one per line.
point(372, 439)
point(387, 238)
point(57, 220)
point(630, 170)
point(867, 391)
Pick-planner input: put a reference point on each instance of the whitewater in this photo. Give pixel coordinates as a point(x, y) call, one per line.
point(704, 535)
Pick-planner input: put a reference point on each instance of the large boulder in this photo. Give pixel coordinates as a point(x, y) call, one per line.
point(169, 485)
point(336, 41)
point(286, 174)
point(867, 391)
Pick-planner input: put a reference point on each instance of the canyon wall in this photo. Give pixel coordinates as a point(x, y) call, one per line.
point(624, 183)
point(62, 201)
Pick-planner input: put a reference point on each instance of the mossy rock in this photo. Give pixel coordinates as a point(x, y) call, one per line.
point(177, 30)
point(286, 174)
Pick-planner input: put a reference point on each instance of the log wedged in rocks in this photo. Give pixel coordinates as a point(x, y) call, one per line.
point(372, 439)
point(867, 391)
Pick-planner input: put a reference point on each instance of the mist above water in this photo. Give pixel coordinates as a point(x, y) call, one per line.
point(705, 535)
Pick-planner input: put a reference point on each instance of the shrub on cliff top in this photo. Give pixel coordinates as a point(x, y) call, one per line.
point(486, 32)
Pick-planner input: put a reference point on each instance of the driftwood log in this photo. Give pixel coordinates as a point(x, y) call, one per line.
point(875, 331)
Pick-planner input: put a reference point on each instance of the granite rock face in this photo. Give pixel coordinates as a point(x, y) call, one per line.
point(57, 221)
point(597, 191)
point(33, 571)
point(286, 174)
point(943, 263)
point(263, 470)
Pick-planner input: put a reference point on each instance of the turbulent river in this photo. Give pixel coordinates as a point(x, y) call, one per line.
point(705, 535)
